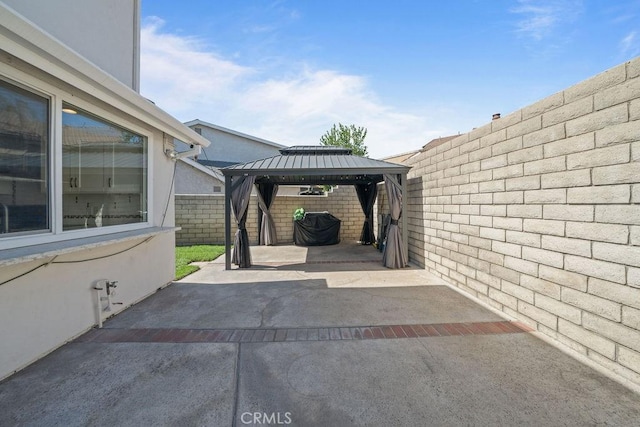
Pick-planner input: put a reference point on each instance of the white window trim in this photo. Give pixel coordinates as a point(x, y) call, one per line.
point(56, 97)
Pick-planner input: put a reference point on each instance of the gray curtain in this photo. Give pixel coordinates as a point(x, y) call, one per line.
point(240, 194)
point(267, 227)
point(367, 196)
point(393, 255)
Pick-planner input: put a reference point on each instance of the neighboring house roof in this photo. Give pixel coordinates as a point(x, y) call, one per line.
point(438, 141)
point(317, 164)
point(213, 172)
point(399, 158)
point(198, 122)
point(22, 38)
point(216, 163)
point(316, 150)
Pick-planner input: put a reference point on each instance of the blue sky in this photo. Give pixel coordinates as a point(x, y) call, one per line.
point(407, 70)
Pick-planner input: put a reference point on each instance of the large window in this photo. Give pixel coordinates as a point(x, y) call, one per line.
point(24, 161)
point(103, 181)
point(104, 172)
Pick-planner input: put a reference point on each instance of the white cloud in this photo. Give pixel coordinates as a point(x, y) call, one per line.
point(184, 77)
point(629, 46)
point(177, 73)
point(540, 18)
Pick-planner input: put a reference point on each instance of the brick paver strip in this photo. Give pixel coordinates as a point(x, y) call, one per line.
point(334, 334)
point(212, 335)
point(397, 330)
point(281, 334)
point(462, 329)
point(194, 335)
point(408, 331)
point(223, 336)
point(247, 335)
point(441, 330)
point(163, 336)
point(522, 326)
point(473, 328)
point(420, 330)
point(487, 329)
point(269, 336)
point(258, 335)
point(204, 336)
point(388, 332)
point(377, 333)
point(174, 334)
point(302, 335)
point(292, 335)
point(313, 334)
point(451, 329)
point(347, 333)
point(503, 328)
point(323, 334)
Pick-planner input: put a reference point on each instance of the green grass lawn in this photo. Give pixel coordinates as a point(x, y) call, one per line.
point(188, 254)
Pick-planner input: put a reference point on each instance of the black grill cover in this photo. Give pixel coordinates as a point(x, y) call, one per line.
point(316, 229)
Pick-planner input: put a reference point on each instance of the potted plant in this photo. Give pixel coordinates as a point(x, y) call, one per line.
point(298, 214)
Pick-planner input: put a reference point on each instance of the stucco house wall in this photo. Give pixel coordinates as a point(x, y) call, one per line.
point(538, 215)
point(107, 33)
point(228, 145)
point(193, 178)
point(47, 276)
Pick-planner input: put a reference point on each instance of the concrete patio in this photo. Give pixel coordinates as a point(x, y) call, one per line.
point(312, 337)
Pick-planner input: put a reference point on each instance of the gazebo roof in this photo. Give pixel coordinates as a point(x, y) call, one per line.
point(304, 165)
point(316, 165)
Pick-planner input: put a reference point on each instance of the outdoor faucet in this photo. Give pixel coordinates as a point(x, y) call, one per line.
point(110, 285)
point(109, 288)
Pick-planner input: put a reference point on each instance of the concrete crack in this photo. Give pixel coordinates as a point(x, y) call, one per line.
point(237, 388)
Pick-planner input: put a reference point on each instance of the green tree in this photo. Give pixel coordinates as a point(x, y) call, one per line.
point(346, 136)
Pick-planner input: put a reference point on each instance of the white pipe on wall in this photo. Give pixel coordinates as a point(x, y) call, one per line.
point(97, 288)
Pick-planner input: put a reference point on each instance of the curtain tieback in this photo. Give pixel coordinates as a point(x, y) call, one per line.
point(394, 222)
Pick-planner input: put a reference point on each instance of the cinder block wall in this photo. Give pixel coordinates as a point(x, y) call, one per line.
point(538, 215)
point(342, 203)
point(201, 216)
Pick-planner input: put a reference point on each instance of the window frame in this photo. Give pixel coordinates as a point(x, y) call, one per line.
point(103, 120)
point(56, 97)
point(49, 165)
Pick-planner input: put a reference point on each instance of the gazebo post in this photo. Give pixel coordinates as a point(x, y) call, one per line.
point(227, 222)
point(405, 202)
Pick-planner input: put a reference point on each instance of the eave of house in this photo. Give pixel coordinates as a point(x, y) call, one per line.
point(26, 41)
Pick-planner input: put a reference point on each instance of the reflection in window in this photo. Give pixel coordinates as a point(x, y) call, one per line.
point(104, 172)
point(24, 158)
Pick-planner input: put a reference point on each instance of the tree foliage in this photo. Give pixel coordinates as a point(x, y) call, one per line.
point(346, 136)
